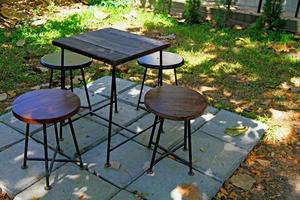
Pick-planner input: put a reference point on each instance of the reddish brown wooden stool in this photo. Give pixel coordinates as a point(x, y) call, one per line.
point(47, 106)
point(174, 103)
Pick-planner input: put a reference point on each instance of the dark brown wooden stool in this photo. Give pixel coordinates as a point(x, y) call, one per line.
point(174, 103)
point(152, 61)
point(47, 106)
point(72, 61)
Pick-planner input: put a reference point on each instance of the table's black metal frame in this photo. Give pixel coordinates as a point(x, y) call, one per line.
point(113, 100)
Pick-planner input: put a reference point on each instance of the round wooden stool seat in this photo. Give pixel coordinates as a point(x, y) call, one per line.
point(175, 103)
point(46, 106)
point(71, 60)
point(170, 60)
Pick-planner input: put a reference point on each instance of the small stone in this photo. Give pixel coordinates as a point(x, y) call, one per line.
point(3, 96)
point(42, 69)
point(100, 15)
point(20, 43)
point(39, 22)
point(37, 87)
point(7, 34)
point(243, 181)
point(264, 163)
point(115, 165)
point(168, 37)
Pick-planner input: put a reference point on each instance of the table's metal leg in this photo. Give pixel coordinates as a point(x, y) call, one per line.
point(142, 87)
point(24, 166)
point(113, 81)
point(191, 173)
point(150, 170)
point(259, 6)
point(297, 9)
point(47, 187)
point(51, 77)
point(115, 95)
point(62, 72)
point(160, 72)
point(86, 89)
point(57, 137)
point(185, 135)
point(175, 74)
point(152, 132)
point(71, 80)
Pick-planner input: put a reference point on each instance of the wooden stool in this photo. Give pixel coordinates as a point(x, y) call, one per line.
point(47, 106)
point(72, 61)
point(174, 103)
point(152, 61)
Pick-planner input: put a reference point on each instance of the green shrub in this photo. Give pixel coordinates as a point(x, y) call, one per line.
point(191, 12)
point(163, 6)
point(223, 16)
point(110, 3)
point(271, 16)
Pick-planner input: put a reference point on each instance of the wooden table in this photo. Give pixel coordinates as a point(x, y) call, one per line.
point(113, 47)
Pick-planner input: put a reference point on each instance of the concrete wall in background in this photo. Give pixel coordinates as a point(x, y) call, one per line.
point(288, 5)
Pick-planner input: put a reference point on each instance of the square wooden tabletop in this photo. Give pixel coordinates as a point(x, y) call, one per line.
point(111, 45)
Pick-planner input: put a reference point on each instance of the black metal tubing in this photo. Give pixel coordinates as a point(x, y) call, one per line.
point(297, 9)
point(191, 173)
point(56, 160)
point(160, 72)
point(75, 143)
point(56, 137)
point(152, 132)
point(86, 89)
point(24, 166)
point(150, 170)
point(185, 136)
point(175, 75)
point(113, 81)
point(259, 6)
point(71, 80)
point(62, 72)
point(115, 94)
point(142, 87)
point(51, 77)
point(47, 174)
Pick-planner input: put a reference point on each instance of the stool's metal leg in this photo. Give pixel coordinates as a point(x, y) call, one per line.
point(191, 173)
point(142, 87)
point(160, 71)
point(75, 143)
point(51, 77)
point(185, 135)
point(152, 132)
point(24, 166)
point(150, 170)
point(60, 131)
point(57, 138)
point(107, 164)
point(86, 90)
point(71, 80)
point(47, 187)
point(115, 95)
point(175, 74)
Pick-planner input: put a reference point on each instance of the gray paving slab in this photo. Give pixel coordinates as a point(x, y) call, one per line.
point(13, 179)
point(131, 95)
point(173, 130)
point(168, 174)
point(9, 119)
point(102, 86)
point(88, 134)
point(127, 114)
point(94, 98)
point(69, 182)
point(214, 156)
point(224, 119)
point(8, 136)
point(124, 195)
point(131, 157)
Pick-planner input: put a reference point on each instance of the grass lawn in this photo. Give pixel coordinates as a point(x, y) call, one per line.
point(239, 70)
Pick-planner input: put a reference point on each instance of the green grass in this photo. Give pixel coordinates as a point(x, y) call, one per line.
point(236, 62)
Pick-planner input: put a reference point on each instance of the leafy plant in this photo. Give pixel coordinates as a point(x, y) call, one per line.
point(163, 6)
point(271, 16)
point(192, 11)
point(110, 3)
point(223, 16)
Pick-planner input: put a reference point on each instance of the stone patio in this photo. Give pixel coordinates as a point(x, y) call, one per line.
point(215, 155)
